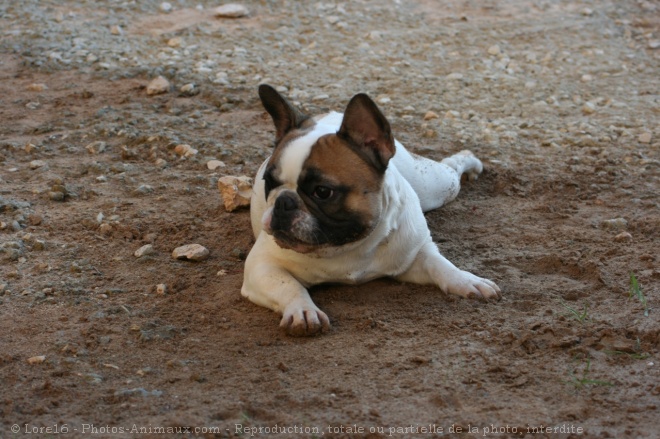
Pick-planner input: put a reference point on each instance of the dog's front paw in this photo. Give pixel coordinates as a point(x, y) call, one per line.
point(468, 285)
point(304, 319)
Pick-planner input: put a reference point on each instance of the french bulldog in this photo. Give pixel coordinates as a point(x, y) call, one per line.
point(341, 201)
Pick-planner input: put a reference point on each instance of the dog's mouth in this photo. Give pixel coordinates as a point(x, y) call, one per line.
point(288, 242)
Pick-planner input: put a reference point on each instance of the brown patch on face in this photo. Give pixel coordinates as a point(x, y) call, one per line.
point(353, 209)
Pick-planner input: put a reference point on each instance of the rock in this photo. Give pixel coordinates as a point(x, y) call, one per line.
point(616, 223)
point(36, 164)
point(236, 191)
point(586, 78)
point(158, 85)
point(145, 250)
point(143, 189)
point(494, 50)
point(189, 89)
point(455, 76)
point(56, 195)
point(116, 30)
point(36, 360)
point(137, 392)
point(96, 147)
point(589, 108)
point(431, 115)
point(321, 97)
point(37, 87)
point(165, 7)
point(192, 252)
point(161, 289)
point(175, 42)
point(105, 229)
point(231, 10)
point(644, 138)
point(185, 150)
point(384, 100)
point(623, 236)
point(215, 164)
point(587, 12)
point(654, 44)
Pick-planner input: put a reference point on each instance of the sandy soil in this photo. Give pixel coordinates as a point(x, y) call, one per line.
point(560, 100)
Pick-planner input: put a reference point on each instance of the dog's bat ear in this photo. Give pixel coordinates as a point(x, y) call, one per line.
point(285, 116)
point(365, 126)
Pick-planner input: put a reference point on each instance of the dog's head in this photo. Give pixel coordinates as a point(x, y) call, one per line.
point(322, 184)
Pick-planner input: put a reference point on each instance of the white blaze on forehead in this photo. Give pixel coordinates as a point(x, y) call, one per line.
point(295, 153)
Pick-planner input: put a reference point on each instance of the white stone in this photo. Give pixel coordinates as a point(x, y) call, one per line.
point(236, 191)
point(36, 360)
point(192, 252)
point(145, 250)
point(589, 108)
point(431, 115)
point(36, 164)
point(455, 76)
point(96, 147)
point(586, 78)
point(215, 164)
point(644, 138)
point(161, 289)
point(158, 85)
point(494, 50)
point(166, 7)
point(185, 150)
point(231, 10)
point(116, 30)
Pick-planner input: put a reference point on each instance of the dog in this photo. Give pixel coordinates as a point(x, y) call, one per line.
point(341, 201)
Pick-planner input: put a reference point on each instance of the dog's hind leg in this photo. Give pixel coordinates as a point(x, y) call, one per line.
point(436, 183)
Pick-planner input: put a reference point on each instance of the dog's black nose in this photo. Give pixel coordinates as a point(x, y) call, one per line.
point(286, 202)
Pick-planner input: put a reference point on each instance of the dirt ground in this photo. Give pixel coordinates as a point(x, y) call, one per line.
point(559, 99)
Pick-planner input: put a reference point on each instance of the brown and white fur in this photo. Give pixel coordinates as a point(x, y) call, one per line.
point(341, 201)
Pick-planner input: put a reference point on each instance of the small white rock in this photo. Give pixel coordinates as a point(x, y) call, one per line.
point(99, 218)
point(161, 289)
point(175, 42)
point(96, 147)
point(37, 87)
point(494, 50)
point(192, 252)
point(185, 150)
point(384, 100)
point(654, 44)
point(644, 137)
point(36, 164)
point(586, 78)
point(623, 236)
point(431, 115)
point(236, 191)
point(589, 108)
point(231, 10)
point(145, 250)
point(166, 7)
point(455, 76)
point(158, 85)
point(616, 223)
point(321, 97)
point(116, 30)
point(215, 164)
point(37, 359)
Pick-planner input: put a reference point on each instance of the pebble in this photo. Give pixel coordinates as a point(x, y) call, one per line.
point(586, 78)
point(616, 223)
point(105, 229)
point(654, 44)
point(36, 164)
point(166, 7)
point(185, 150)
point(116, 30)
point(215, 164)
point(158, 85)
point(644, 138)
point(37, 87)
point(455, 76)
point(192, 252)
point(189, 89)
point(494, 50)
point(56, 196)
point(589, 108)
point(236, 191)
point(175, 42)
point(231, 10)
point(431, 115)
point(37, 359)
point(384, 100)
point(321, 97)
point(623, 236)
point(96, 147)
point(161, 289)
point(144, 189)
point(145, 250)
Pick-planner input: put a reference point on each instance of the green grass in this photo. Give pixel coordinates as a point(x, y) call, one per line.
point(636, 291)
point(579, 316)
point(584, 380)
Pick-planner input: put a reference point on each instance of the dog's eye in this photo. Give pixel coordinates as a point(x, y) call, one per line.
point(323, 192)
